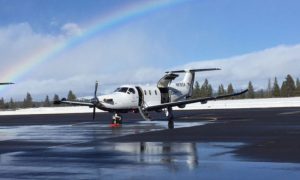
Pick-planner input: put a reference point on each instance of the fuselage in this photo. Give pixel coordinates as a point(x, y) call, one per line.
point(129, 97)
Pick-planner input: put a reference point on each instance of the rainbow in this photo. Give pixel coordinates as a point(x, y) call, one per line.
point(106, 22)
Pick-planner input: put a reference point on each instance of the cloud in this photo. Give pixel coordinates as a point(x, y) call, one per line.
point(18, 41)
point(113, 59)
point(257, 67)
point(71, 29)
point(125, 56)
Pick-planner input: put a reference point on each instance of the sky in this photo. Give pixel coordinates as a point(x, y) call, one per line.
point(50, 47)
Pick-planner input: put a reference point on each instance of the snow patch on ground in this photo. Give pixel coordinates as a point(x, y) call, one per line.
point(50, 110)
point(220, 104)
point(247, 103)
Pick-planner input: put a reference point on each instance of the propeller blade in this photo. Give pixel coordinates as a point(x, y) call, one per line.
point(96, 89)
point(94, 112)
point(95, 100)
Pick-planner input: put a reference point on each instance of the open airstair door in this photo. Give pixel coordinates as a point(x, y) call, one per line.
point(163, 86)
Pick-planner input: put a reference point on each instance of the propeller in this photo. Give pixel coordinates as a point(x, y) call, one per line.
point(95, 100)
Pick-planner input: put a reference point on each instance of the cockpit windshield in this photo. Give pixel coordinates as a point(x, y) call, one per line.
point(122, 89)
point(125, 90)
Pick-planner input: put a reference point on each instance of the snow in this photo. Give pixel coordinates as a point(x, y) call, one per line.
point(50, 110)
point(220, 104)
point(247, 103)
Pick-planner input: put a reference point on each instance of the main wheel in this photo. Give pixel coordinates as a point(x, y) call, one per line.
point(171, 124)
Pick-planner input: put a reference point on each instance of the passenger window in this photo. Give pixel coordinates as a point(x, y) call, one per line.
point(155, 92)
point(131, 91)
point(145, 92)
point(150, 92)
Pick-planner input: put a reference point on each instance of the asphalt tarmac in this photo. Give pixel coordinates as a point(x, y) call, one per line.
point(208, 144)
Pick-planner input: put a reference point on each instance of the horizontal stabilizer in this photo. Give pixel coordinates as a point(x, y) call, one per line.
point(194, 70)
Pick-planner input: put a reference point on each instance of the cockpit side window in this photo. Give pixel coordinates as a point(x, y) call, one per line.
point(131, 90)
point(117, 90)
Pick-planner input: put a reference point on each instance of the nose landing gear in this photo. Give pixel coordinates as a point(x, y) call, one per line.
point(116, 120)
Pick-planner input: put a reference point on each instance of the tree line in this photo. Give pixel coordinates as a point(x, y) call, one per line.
point(29, 103)
point(288, 88)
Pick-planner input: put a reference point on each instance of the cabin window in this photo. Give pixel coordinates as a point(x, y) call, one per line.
point(131, 90)
point(150, 92)
point(155, 92)
point(145, 92)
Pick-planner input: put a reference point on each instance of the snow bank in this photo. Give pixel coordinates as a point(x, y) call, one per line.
point(220, 104)
point(247, 103)
point(50, 110)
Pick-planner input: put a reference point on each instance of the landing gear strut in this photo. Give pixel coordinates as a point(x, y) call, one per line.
point(116, 120)
point(170, 116)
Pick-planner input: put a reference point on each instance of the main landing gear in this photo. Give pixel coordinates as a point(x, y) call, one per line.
point(170, 116)
point(116, 120)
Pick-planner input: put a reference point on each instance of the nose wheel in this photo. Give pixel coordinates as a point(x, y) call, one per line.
point(171, 123)
point(116, 120)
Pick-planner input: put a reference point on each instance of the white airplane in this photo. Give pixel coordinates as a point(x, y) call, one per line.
point(142, 99)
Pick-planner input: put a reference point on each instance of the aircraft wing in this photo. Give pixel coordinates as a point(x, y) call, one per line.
point(201, 100)
point(6, 83)
point(77, 103)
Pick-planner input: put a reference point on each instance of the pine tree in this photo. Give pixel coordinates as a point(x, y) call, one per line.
point(230, 89)
point(2, 103)
point(209, 91)
point(12, 104)
point(276, 89)
point(56, 97)
point(250, 91)
point(288, 87)
point(47, 102)
point(297, 92)
point(28, 101)
point(206, 89)
point(283, 90)
point(221, 90)
point(269, 89)
point(71, 96)
point(196, 91)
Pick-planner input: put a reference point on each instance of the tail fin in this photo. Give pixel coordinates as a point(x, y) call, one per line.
point(189, 77)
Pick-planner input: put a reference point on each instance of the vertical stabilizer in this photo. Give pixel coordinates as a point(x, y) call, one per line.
point(187, 84)
point(188, 80)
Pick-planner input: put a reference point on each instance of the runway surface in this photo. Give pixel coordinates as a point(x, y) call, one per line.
point(208, 144)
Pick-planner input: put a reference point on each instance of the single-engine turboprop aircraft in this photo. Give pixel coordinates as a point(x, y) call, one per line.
point(142, 99)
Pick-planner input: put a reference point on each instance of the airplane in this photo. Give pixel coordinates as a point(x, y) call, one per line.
point(143, 99)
